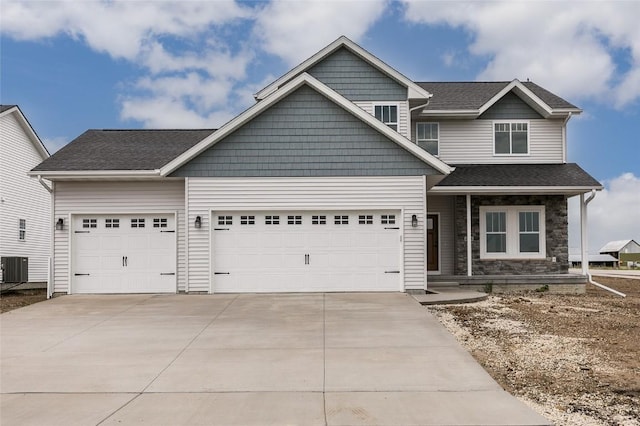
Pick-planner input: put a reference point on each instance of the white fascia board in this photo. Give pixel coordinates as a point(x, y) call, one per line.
point(323, 89)
point(495, 190)
point(26, 126)
point(538, 104)
point(413, 90)
point(95, 174)
point(452, 113)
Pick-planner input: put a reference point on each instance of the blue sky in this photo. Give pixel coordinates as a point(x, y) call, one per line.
point(155, 64)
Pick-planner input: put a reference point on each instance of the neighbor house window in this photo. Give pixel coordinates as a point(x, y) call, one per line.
point(511, 138)
point(22, 229)
point(388, 114)
point(512, 232)
point(427, 137)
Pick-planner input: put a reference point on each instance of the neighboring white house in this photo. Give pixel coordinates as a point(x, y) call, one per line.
point(616, 248)
point(25, 213)
point(345, 176)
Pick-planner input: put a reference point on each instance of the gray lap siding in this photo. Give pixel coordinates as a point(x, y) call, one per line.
point(556, 224)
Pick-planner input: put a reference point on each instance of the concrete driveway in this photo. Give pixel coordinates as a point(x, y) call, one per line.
point(312, 359)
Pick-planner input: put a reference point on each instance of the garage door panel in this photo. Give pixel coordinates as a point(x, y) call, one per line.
point(308, 256)
point(123, 254)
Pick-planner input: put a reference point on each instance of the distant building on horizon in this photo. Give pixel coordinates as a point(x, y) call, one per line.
point(623, 250)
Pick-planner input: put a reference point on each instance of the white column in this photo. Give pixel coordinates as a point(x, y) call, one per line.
point(584, 260)
point(469, 237)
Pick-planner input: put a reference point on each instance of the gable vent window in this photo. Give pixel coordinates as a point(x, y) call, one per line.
point(137, 223)
point(388, 114)
point(294, 220)
point(365, 220)
point(22, 229)
point(225, 220)
point(388, 219)
point(427, 137)
point(89, 223)
point(341, 220)
point(159, 223)
point(112, 223)
point(511, 138)
point(247, 220)
point(272, 220)
point(319, 220)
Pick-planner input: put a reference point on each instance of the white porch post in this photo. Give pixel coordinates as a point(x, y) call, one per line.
point(584, 258)
point(469, 251)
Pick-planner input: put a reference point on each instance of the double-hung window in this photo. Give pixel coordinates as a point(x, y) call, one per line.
point(427, 137)
point(22, 229)
point(388, 114)
point(511, 138)
point(512, 232)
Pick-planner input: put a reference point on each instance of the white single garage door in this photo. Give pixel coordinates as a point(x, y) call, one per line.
point(124, 253)
point(306, 251)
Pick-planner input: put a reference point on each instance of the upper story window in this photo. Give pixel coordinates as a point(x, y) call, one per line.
point(427, 137)
point(22, 229)
point(512, 232)
point(388, 114)
point(510, 137)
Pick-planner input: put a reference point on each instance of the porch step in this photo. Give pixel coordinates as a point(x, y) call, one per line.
point(449, 295)
point(432, 284)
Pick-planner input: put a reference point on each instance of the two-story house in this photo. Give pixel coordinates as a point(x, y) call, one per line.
point(345, 175)
point(25, 215)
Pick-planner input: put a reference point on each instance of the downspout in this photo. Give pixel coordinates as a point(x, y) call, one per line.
point(564, 137)
point(583, 243)
point(52, 237)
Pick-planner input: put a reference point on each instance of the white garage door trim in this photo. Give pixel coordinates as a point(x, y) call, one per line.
point(306, 210)
point(71, 253)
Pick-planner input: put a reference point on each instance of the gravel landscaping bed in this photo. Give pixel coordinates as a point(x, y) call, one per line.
point(574, 359)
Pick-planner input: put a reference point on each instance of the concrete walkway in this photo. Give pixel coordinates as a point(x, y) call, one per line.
point(312, 359)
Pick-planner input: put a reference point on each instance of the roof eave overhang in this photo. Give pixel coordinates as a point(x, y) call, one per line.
point(95, 174)
point(498, 190)
point(323, 89)
point(414, 91)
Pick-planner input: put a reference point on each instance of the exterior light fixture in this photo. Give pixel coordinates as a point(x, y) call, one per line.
point(60, 224)
point(414, 221)
point(198, 222)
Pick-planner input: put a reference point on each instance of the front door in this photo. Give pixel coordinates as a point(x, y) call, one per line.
point(432, 243)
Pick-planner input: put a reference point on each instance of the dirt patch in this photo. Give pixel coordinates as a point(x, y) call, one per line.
point(573, 358)
point(14, 299)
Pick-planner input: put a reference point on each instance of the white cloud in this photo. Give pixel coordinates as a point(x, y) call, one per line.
point(612, 215)
point(119, 28)
point(295, 30)
point(579, 49)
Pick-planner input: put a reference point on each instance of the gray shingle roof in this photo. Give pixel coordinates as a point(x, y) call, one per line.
point(3, 108)
point(123, 150)
point(537, 175)
point(474, 94)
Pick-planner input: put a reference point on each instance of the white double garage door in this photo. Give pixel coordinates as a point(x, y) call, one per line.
point(254, 251)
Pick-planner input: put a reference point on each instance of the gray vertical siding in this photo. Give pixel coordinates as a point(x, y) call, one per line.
point(305, 134)
point(510, 107)
point(355, 79)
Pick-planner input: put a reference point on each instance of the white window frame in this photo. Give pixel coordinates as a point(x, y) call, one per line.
point(390, 123)
point(436, 140)
point(510, 153)
point(513, 232)
point(22, 229)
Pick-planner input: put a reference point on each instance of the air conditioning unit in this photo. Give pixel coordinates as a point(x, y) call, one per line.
point(14, 269)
